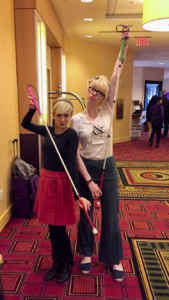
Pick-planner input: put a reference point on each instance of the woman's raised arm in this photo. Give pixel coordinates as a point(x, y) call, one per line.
point(113, 80)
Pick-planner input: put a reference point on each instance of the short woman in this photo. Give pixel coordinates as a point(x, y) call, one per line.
point(55, 200)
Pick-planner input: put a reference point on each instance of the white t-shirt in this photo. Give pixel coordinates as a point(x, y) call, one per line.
point(93, 135)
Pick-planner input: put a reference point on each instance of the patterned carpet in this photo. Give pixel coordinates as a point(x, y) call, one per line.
point(152, 265)
point(143, 180)
point(140, 150)
point(26, 249)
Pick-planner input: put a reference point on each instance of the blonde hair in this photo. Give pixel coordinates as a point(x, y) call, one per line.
point(62, 106)
point(102, 84)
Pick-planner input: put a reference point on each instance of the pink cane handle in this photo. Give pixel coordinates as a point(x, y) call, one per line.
point(34, 100)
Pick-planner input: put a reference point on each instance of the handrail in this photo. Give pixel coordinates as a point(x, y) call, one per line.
point(68, 93)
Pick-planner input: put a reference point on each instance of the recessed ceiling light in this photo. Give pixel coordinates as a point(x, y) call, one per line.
point(88, 19)
point(86, 0)
point(89, 36)
point(161, 63)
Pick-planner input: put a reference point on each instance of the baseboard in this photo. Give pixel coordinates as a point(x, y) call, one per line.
point(5, 217)
point(121, 140)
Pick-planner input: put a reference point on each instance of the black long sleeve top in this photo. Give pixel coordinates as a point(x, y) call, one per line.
point(66, 142)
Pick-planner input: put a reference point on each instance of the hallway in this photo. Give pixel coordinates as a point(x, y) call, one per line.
point(144, 221)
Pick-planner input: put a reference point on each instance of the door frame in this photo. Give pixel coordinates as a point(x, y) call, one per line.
point(159, 82)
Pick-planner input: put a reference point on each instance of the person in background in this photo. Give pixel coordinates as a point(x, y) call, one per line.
point(55, 200)
point(156, 115)
point(166, 113)
point(150, 104)
point(92, 127)
point(162, 93)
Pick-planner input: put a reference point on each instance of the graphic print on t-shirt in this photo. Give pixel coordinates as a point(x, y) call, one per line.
point(97, 130)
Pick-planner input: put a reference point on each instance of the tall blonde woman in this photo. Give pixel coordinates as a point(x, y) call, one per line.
point(92, 127)
point(55, 200)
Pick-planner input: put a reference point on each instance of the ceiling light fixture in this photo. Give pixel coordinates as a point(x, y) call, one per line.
point(155, 15)
point(161, 63)
point(89, 36)
point(88, 19)
point(86, 1)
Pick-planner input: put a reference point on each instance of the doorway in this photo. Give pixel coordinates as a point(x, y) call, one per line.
point(151, 88)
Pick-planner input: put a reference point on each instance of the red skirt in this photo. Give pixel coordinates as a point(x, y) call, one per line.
point(55, 204)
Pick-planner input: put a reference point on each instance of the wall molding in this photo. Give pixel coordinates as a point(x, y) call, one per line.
point(121, 140)
point(5, 217)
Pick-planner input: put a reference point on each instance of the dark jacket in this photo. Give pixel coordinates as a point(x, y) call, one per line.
point(150, 104)
point(166, 109)
point(156, 109)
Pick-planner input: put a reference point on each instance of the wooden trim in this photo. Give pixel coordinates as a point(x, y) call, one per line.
point(5, 217)
point(47, 13)
point(24, 4)
point(121, 140)
point(26, 58)
point(56, 63)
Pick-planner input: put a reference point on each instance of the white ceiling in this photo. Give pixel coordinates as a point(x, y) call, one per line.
point(107, 14)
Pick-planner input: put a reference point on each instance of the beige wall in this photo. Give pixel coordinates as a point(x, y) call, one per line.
point(166, 85)
point(140, 74)
point(137, 89)
point(85, 60)
point(9, 106)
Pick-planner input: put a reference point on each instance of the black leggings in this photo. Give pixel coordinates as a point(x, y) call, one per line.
point(60, 241)
point(158, 134)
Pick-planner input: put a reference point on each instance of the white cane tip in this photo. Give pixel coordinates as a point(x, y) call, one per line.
point(94, 230)
point(1, 260)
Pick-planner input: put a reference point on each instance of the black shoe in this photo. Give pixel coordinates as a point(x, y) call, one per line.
point(65, 272)
point(56, 267)
point(156, 145)
point(85, 268)
point(150, 143)
point(118, 275)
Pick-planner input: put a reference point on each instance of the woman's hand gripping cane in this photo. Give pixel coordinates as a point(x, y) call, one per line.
point(87, 204)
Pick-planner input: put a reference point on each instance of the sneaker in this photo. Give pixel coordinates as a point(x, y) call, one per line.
point(156, 145)
point(150, 143)
point(118, 275)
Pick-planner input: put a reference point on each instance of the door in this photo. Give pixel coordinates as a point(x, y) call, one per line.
point(151, 88)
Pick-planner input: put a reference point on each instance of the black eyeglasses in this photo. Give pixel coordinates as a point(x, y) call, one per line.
point(93, 90)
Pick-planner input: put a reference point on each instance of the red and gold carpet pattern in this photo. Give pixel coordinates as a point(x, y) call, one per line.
point(144, 223)
point(138, 149)
point(151, 257)
point(143, 180)
point(27, 256)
